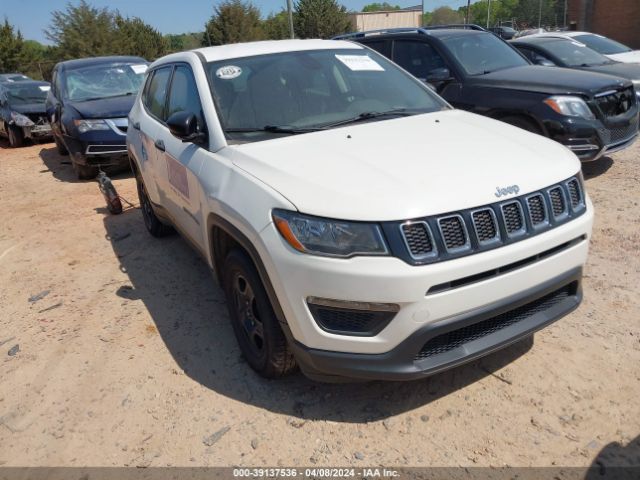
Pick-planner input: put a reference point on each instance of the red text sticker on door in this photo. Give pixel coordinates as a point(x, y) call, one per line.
point(178, 176)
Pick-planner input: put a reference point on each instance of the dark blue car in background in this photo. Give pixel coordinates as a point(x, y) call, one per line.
point(87, 107)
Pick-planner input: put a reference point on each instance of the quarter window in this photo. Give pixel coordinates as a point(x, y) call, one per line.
point(156, 94)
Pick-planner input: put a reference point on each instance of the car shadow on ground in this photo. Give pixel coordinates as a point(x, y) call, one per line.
point(189, 311)
point(61, 168)
point(617, 461)
point(596, 168)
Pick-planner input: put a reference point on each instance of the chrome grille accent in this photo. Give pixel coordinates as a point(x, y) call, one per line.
point(419, 240)
point(537, 209)
point(485, 225)
point(513, 218)
point(456, 234)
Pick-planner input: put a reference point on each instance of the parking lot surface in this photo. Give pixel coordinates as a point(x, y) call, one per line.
point(116, 350)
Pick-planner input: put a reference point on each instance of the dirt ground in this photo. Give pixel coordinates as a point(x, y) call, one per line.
point(125, 355)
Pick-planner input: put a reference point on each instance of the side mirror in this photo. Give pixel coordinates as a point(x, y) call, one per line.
point(184, 125)
point(439, 75)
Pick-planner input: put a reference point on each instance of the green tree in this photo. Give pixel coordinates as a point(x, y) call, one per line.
point(233, 21)
point(134, 37)
point(380, 7)
point(82, 31)
point(11, 45)
point(183, 41)
point(276, 26)
point(321, 19)
point(445, 15)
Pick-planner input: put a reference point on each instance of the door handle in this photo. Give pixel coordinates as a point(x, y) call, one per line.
point(160, 145)
point(136, 125)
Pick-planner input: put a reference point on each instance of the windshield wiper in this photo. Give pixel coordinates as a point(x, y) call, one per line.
point(400, 112)
point(274, 129)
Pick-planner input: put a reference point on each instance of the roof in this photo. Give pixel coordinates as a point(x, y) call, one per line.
point(87, 62)
point(453, 32)
point(540, 39)
point(250, 49)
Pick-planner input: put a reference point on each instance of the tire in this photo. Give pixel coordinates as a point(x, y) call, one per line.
point(254, 323)
point(16, 137)
point(85, 172)
point(523, 123)
point(62, 150)
point(154, 225)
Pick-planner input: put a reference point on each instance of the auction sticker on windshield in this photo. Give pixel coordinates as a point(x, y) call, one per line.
point(138, 69)
point(228, 72)
point(360, 63)
point(44, 88)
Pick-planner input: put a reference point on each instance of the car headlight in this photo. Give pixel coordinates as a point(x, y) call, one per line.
point(87, 125)
point(336, 238)
point(570, 106)
point(21, 120)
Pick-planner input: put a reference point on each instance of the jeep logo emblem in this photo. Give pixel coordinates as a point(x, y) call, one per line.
point(512, 189)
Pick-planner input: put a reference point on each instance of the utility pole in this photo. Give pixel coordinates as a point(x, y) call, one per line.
point(290, 13)
point(565, 14)
point(539, 13)
point(422, 15)
point(488, 13)
point(466, 20)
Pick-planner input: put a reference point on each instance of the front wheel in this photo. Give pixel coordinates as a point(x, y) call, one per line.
point(85, 172)
point(16, 137)
point(523, 123)
point(62, 150)
point(254, 323)
point(154, 225)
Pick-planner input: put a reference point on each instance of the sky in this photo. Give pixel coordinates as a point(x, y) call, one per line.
point(31, 17)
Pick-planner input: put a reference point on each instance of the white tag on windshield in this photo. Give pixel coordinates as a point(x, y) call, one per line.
point(44, 88)
point(138, 69)
point(360, 63)
point(228, 72)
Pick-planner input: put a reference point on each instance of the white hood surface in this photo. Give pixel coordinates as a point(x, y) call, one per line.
point(626, 57)
point(406, 167)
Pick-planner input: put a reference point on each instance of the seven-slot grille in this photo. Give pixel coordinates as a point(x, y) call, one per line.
point(459, 233)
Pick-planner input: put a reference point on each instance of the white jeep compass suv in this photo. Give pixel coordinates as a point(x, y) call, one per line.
point(359, 225)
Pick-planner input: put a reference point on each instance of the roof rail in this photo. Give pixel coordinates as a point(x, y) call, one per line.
point(381, 31)
point(463, 26)
point(419, 30)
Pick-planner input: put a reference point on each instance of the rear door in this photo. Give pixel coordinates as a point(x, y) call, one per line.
point(182, 160)
point(147, 123)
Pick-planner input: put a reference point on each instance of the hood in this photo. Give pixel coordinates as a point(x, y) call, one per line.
point(404, 168)
point(549, 80)
point(29, 108)
point(626, 57)
point(630, 71)
point(114, 107)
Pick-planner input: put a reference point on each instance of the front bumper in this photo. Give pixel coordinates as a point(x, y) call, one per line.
point(296, 277)
point(442, 345)
point(592, 139)
point(100, 147)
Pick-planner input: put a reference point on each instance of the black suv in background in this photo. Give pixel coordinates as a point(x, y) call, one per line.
point(88, 107)
point(590, 113)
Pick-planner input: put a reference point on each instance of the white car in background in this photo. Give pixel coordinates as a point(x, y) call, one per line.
point(601, 44)
point(359, 226)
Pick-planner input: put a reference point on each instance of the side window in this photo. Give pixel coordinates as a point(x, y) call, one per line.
point(156, 93)
point(380, 46)
point(183, 96)
point(418, 58)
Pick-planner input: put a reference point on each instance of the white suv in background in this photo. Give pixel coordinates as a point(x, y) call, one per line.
point(360, 226)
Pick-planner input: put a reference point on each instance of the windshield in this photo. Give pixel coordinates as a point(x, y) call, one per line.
point(26, 93)
point(312, 90)
point(104, 81)
point(573, 54)
point(602, 45)
point(482, 53)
